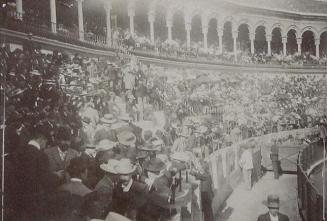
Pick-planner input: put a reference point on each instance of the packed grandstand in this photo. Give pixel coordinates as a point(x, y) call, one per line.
point(84, 73)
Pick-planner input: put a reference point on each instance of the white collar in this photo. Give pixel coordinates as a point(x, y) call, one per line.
point(273, 218)
point(35, 144)
point(76, 180)
point(128, 186)
point(61, 152)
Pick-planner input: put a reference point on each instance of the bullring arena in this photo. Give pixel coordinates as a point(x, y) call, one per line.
point(151, 110)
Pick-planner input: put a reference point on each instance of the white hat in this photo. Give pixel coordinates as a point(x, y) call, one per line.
point(110, 166)
point(105, 144)
point(125, 167)
point(108, 119)
point(116, 217)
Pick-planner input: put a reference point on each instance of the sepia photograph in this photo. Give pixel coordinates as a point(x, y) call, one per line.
point(163, 110)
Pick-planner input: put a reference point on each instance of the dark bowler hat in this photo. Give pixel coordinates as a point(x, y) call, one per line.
point(154, 165)
point(273, 201)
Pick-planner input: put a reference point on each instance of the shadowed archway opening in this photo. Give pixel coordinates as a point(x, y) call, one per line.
point(227, 37)
point(160, 26)
point(196, 30)
point(178, 29)
point(291, 46)
point(276, 41)
point(212, 33)
point(141, 23)
point(308, 43)
point(120, 15)
point(244, 38)
point(260, 43)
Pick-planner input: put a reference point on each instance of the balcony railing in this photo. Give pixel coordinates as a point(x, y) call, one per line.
point(18, 22)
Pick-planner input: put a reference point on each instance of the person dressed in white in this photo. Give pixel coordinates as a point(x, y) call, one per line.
point(246, 163)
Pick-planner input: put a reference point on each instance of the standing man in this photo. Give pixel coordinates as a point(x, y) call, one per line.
point(246, 163)
point(274, 159)
point(273, 214)
point(33, 177)
point(60, 155)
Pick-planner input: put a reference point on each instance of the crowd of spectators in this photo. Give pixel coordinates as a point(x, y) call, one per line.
point(74, 103)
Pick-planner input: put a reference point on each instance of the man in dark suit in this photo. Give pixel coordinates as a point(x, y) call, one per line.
point(34, 179)
point(60, 155)
point(273, 214)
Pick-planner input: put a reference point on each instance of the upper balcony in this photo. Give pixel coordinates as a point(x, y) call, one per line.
point(262, 51)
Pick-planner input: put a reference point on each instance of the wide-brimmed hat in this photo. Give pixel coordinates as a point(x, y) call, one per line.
point(108, 119)
point(125, 117)
point(124, 167)
point(116, 217)
point(181, 156)
point(201, 130)
point(149, 147)
point(105, 144)
point(272, 201)
point(110, 166)
point(126, 138)
point(154, 165)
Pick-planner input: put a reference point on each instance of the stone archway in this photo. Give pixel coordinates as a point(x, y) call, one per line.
point(291, 46)
point(178, 29)
point(308, 42)
point(212, 32)
point(120, 14)
point(160, 26)
point(260, 42)
point(276, 41)
point(142, 27)
point(244, 38)
point(196, 30)
point(227, 37)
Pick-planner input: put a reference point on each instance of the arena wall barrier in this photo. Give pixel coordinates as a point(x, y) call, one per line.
point(310, 200)
point(225, 170)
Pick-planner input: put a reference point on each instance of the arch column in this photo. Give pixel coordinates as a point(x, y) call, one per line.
point(205, 37)
point(108, 7)
point(234, 36)
point(19, 9)
point(220, 32)
point(299, 44)
point(252, 37)
point(317, 44)
point(131, 15)
point(151, 17)
point(188, 35)
point(80, 19)
point(269, 38)
point(284, 41)
point(53, 16)
point(169, 23)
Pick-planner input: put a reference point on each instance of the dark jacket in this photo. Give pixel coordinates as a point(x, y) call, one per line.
point(33, 181)
point(266, 217)
point(55, 162)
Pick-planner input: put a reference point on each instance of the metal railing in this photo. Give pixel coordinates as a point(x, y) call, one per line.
point(309, 198)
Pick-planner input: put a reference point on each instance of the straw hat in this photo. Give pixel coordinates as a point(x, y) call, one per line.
point(124, 167)
point(154, 165)
point(108, 119)
point(110, 166)
point(201, 130)
point(126, 138)
point(125, 117)
point(105, 144)
point(116, 217)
